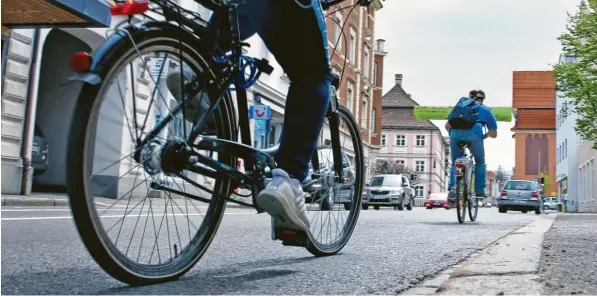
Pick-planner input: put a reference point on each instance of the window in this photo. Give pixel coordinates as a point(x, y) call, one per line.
point(350, 96)
point(373, 114)
point(419, 191)
point(434, 163)
point(400, 161)
point(420, 166)
point(558, 154)
point(366, 65)
point(374, 78)
point(352, 43)
point(364, 114)
point(4, 54)
point(383, 140)
point(337, 32)
point(566, 148)
point(400, 140)
point(420, 141)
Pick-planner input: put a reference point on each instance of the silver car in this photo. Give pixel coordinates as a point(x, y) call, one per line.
point(388, 190)
point(519, 195)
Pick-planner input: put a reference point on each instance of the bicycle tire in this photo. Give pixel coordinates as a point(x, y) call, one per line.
point(107, 256)
point(317, 248)
point(473, 203)
point(461, 199)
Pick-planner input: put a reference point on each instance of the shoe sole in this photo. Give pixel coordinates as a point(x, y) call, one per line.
point(280, 210)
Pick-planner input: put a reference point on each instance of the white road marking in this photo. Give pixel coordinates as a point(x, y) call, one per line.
point(109, 216)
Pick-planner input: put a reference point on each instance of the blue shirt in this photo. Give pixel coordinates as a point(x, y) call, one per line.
point(487, 119)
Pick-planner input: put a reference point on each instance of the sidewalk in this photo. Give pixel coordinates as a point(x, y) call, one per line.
point(555, 254)
point(60, 200)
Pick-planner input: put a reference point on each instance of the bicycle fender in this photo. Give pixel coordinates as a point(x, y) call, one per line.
point(103, 53)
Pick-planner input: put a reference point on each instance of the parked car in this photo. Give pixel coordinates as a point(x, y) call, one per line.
point(550, 203)
point(324, 195)
point(39, 152)
point(388, 191)
point(437, 200)
point(519, 195)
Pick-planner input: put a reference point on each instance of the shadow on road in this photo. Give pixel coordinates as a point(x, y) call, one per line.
point(226, 280)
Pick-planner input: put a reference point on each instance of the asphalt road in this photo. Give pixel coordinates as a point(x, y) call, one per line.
point(568, 264)
point(389, 250)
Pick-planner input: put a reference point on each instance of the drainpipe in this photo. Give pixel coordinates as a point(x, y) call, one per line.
point(29, 124)
point(431, 160)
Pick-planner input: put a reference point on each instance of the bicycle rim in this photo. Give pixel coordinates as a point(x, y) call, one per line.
point(332, 225)
point(461, 199)
point(82, 163)
point(473, 202)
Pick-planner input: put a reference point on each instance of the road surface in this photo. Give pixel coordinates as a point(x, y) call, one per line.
point(389, 250)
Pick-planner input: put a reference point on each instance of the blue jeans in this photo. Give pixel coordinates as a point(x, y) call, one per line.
point(476, 148)
point(297, 37)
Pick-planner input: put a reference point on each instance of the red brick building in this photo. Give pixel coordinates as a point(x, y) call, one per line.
point(361, 58)
point(533, 104)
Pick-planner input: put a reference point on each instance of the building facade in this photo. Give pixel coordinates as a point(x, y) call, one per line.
point(359, 60)
point(587, 177)
point(416, 144)
point(534, 130)
point(567, 144)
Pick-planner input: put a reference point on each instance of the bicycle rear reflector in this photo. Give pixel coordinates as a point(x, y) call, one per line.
point(131, 7)
point(80, 62)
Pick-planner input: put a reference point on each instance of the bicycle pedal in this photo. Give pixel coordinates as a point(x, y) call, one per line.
point(292, 237)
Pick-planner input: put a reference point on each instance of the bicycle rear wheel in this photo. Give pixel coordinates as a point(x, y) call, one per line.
point(106, 181)
point(336, 204)
point(461, 197)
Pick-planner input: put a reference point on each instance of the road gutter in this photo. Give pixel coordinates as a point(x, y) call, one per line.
point(508, 266)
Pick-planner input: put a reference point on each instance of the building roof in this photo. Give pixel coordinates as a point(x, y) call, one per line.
point(398, 111)
point(397, 97)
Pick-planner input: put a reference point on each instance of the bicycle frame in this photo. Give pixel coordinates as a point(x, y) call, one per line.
point(257, 162)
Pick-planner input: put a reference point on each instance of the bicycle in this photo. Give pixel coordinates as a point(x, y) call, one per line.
point(191, 149)
point(464, 174)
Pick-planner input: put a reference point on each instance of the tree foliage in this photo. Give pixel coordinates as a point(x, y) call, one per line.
point(578, 80)
point(500, 176)
point(383, 167)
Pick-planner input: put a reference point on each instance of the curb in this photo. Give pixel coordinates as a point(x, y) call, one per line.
point(509, 265)
point(61, 202)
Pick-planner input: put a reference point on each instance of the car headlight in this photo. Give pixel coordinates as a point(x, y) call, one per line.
point(395, 192)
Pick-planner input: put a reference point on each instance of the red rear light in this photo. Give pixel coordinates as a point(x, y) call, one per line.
point(534, 195)
point(461, 165)
point(80, 62)
point(131, 7)
point(504, 193)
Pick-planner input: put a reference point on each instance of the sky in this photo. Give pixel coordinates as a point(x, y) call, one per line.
point(444, 48)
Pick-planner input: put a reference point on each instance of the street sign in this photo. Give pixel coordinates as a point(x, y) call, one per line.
point(260, 112)
point(260, 127)
point(156, 65)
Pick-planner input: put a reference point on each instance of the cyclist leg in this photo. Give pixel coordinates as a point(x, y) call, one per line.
point(297, 38)
point(478, 151)
point(456, 151)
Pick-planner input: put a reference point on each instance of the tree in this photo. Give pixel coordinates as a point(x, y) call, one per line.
point(500, 176)
point(577, 80)
point(382, 167)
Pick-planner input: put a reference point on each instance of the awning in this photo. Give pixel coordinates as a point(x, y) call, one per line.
point(55, 13)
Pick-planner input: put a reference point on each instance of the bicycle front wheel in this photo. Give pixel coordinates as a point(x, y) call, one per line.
point(335, 205)
point(461, 198)
point(473, 202)
point(138, 232)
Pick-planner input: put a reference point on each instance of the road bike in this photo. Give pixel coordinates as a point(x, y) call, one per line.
point(176, 156)
point(464, 173)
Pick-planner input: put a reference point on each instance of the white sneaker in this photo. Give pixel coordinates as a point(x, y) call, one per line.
point(283, 198)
